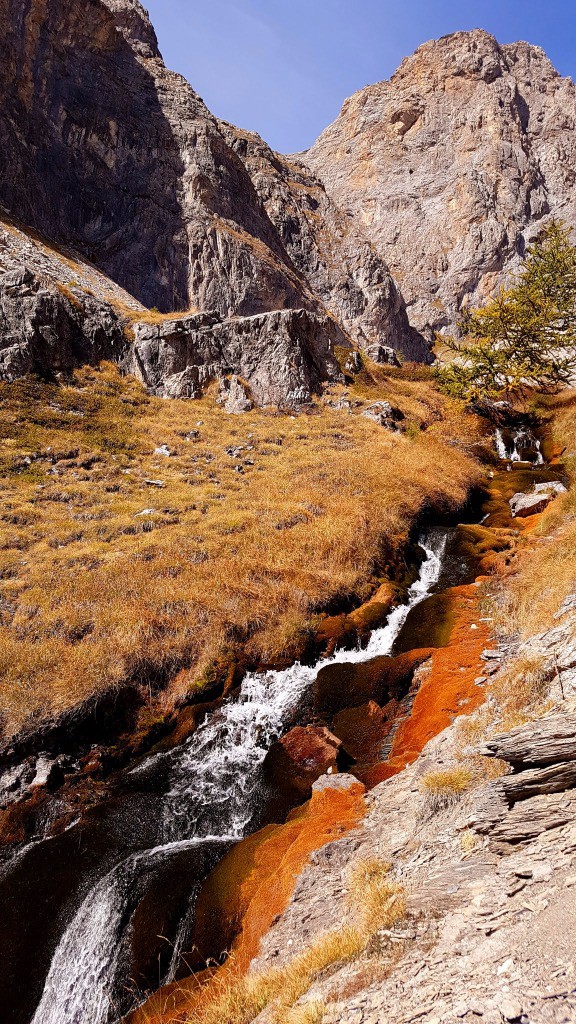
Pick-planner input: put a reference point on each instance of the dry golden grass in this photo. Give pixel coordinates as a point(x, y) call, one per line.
point(469, 840)
point(377, 901)
point(445, 787)
point(106, 576)
point(310, 1013)
point(150, 316)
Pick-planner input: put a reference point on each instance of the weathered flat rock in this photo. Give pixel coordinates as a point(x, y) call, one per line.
point(547, 741)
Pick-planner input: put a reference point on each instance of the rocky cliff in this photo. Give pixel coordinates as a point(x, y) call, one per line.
point(452, 164)
point(108, 152)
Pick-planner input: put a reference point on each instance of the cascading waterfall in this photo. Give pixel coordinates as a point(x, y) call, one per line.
point(523, 438)
point(80, 984)
point(211, 799)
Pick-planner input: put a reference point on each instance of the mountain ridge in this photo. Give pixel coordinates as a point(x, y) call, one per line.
point(113, 155)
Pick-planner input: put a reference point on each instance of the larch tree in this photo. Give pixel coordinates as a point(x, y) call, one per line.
point(524, 338)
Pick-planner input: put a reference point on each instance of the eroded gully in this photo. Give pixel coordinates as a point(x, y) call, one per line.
point(126, 926)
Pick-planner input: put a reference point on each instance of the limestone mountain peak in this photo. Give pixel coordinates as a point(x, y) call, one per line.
point(452, 164)
point(134, 23)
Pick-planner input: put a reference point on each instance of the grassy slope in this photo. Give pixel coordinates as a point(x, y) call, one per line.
point(93, 591)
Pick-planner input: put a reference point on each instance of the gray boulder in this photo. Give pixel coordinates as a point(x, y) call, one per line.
point(386, 415)
point(234, 396)
point(283, 356)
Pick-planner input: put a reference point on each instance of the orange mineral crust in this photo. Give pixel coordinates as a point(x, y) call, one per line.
point(447, 688)
point(244, 894)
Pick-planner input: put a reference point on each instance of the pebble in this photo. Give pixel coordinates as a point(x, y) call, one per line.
point(510, 1009)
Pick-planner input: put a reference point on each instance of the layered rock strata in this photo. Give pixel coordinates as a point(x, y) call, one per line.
point(283, 356)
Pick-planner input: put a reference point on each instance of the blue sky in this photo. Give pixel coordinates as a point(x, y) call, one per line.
point(284, 67)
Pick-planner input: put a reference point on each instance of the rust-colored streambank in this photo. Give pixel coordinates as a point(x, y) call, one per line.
point(245, 893)
point(252, 886)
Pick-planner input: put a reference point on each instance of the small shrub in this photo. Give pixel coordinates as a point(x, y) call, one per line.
point(469, 840)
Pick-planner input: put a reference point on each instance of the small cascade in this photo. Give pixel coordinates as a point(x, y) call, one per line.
point(213, 799)
point(81, 981)
point(520, 446)
point(515, 454)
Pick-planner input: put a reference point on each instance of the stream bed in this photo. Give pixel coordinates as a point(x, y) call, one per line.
point(124, 885)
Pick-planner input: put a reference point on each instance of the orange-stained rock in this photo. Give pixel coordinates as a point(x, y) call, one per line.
point(248, 889)
point(447, 688)
point(348, 685)
point(335, 629)
point(375, 611)
point(300, 757)
point(363, 729)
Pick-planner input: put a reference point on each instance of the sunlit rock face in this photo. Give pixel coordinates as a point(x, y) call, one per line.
point(451, 166)
point(107, 151)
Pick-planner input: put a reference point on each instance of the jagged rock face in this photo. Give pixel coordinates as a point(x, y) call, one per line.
point(44, 331)
point(452, 164)
point(57, 312)
point(339, 264)
point(108, 152)
point(282, 355)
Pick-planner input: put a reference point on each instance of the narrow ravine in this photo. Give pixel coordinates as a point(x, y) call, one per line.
point(212, 800)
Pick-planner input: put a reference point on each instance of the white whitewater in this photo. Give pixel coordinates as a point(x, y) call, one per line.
point(500, 445)
point(522, 435)
point(212, 798)
point(515, 454)
point(80, 984)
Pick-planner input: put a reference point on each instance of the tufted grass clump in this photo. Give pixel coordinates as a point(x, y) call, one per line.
point(444, 788)
point(376, 902)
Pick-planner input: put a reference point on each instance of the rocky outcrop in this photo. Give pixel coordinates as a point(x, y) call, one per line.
point(523, 505)
point(58, 312)
point(122, 160)
point(300, 757)
point(46, 330)
point(451, 166)
point(548, 741)
point(282, 356)
point(108, 152)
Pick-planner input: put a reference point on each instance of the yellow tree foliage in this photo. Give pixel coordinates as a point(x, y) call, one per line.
point(524, 338)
